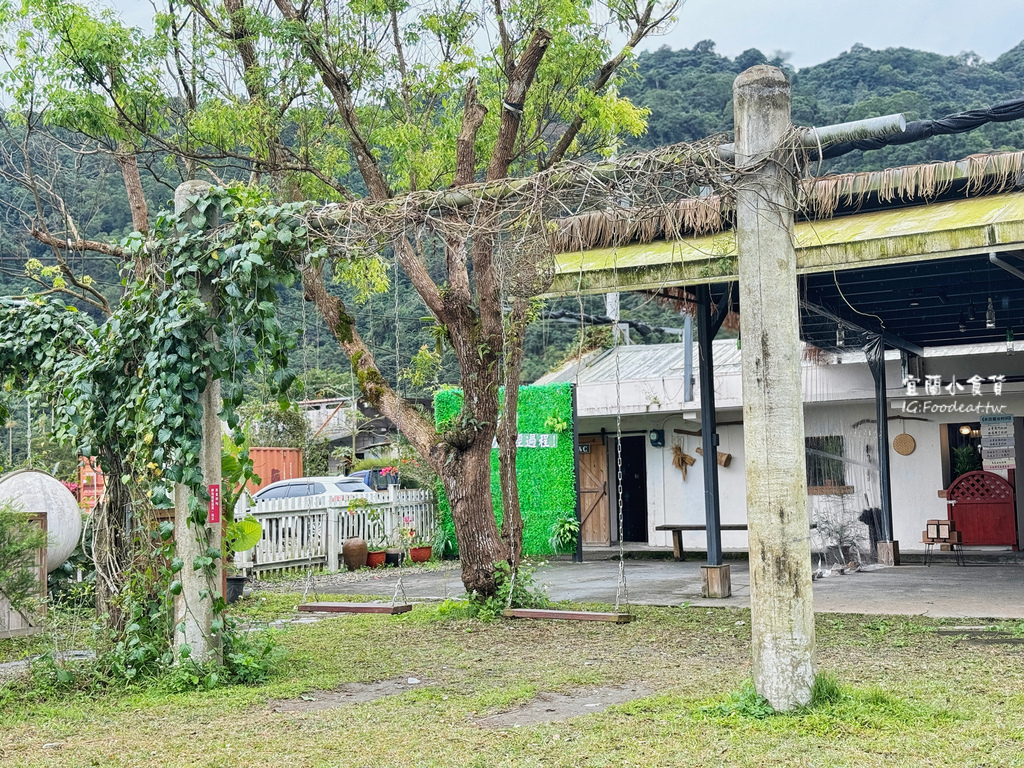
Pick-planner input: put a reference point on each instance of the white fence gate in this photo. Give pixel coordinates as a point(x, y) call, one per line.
point(311, 530)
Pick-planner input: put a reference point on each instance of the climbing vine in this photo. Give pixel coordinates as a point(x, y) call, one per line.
point(199, 305)
point(133, 383)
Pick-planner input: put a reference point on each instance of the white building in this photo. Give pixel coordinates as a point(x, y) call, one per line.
point(645, 386)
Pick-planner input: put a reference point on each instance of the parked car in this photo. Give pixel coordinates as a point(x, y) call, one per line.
point(375, 478)
point(300, 487)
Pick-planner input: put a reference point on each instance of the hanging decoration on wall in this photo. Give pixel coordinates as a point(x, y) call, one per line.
point(903, 443)
point(724, 459)
point(682, 461)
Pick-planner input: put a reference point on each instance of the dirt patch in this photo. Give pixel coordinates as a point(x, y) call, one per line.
point(350, 693)
point(551, 707)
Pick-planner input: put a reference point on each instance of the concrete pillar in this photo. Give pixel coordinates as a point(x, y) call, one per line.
point(782, 606)
point(193, 608)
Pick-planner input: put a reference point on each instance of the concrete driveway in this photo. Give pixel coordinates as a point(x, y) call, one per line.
point(942, 590)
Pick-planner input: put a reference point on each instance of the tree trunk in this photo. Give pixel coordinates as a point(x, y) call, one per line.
point(467, 482)
point(508, 432)
point(111, 542)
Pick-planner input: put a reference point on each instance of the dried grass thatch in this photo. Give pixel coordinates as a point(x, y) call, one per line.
point(817, 198)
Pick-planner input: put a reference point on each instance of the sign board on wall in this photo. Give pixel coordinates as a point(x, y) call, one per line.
point(997, 448)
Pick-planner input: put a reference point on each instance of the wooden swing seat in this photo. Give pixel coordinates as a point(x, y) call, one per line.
point(549, 613)
point(355, 608)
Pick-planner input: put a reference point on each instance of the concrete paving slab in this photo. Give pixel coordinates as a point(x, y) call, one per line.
point(993, 591)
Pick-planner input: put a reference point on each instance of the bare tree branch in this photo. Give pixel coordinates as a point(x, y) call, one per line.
point(514, 102)
point(337, 84)
point(644, 26)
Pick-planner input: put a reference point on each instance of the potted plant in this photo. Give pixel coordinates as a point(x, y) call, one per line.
point(376, 541)
point(404, 537)
point(239, 536)
point(376, 553)
point(421, 547)
point(243, 533)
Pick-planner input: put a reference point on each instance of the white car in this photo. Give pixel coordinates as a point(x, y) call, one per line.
point(299, 487)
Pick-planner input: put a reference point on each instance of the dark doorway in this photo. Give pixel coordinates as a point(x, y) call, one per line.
point(964, 441)
point(634, 488)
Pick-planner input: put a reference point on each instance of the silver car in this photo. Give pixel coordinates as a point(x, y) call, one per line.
point(299, 487)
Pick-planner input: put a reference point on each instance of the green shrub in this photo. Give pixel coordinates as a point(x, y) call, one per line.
point(526, 593)
point(564, 533)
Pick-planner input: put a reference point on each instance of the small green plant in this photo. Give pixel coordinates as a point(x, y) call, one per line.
point(747, 702)
point(251, 657)
point(525, 591)
point(72, 584)
point(556, 424)
point(564, 533)
point(425, 539)
point(20, 542)
point(444, 543)
point(826, 690)
point(965, 459)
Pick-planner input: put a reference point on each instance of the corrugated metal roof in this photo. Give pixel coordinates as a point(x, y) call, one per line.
point(641, 361)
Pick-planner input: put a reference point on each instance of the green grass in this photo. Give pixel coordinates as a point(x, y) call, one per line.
point(891, 692)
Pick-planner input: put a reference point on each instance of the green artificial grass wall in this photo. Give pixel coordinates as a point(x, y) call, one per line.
point(547, 483)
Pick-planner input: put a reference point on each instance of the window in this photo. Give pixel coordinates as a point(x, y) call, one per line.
point(299, 490)
point(825, 465)
point(280, 492)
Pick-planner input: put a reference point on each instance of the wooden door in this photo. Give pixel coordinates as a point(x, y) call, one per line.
point(981, 506)
point(594, 491)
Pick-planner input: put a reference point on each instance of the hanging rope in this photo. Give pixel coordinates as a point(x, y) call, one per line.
point(399, 585)
point(621, 591)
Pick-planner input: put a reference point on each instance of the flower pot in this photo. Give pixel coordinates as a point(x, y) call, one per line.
point(375, 559)
point(393, 557)
point(353, 552)
point(236, 585)
point(419, 554)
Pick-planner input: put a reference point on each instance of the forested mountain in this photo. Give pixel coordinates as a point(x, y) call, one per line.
point(688, 93)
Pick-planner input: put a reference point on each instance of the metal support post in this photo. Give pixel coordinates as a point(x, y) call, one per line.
point(888, 549)
point(708, 427)
point(577, 555)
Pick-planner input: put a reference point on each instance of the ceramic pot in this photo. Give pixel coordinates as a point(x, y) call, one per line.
point(353, 552)
point(393, 557)
point(375, 559)
point(419, 554)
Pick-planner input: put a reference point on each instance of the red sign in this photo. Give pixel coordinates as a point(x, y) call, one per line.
point(213, 517)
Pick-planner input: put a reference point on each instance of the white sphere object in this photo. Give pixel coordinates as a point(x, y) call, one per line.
point(32, 491)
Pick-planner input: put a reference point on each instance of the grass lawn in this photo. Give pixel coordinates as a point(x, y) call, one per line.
point(909, 696)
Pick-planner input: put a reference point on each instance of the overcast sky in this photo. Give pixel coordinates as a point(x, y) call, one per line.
point(813, 31)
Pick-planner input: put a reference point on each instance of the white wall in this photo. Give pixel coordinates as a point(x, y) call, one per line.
point(837, 397)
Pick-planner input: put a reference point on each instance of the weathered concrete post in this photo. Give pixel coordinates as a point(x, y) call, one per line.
point(782, 607)
point(193, 608)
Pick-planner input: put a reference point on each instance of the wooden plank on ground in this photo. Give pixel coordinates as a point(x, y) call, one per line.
point(546, 613)
point(355, 608)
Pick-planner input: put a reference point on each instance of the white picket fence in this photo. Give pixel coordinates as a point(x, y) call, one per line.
point(310, 531)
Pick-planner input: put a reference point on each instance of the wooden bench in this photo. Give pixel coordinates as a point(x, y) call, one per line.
point(677, 535)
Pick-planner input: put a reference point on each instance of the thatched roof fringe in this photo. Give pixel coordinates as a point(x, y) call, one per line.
point(818, 198)
point(689, 216)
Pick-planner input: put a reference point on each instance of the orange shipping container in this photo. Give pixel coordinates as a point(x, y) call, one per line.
point(273, 464)
point(90, 483)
